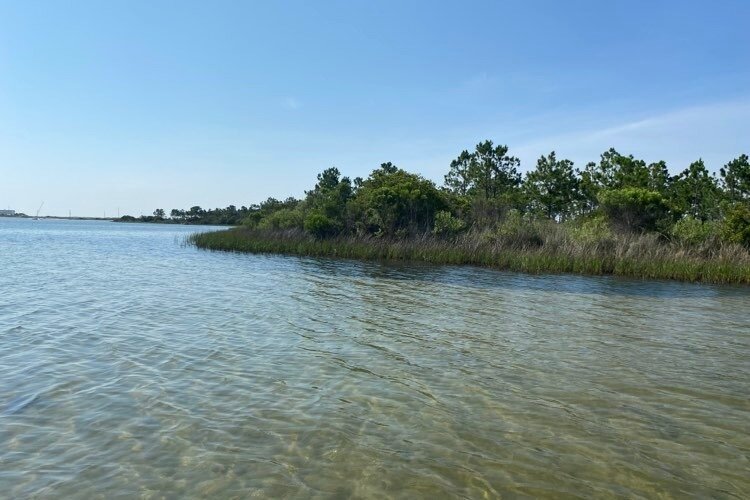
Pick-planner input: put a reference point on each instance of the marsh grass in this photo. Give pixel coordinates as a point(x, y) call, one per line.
point(536, 248)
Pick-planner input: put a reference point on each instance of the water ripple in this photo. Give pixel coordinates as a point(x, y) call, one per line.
point(134, 366)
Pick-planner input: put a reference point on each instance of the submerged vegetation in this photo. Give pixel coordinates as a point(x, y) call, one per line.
point(615, 216)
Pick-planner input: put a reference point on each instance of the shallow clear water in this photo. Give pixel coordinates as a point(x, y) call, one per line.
point(132, 365)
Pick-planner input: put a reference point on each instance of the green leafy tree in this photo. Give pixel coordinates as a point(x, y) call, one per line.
point(485, 183)
point(493, 171)
point(735, 178)
point(320, 226)
point(598, 176)
point(459, 178)
point(659, 179)
point(284, 218)
point(617, 171)
point(388, 168)
point(159, 213)
point(392, 201)
point(695, 192)
point(736, 225)
point(330, 196)
point(553, 187)
point(488, 172)
point(256, 214)
point(633, 208)
point(631, 172)
point(195, 213)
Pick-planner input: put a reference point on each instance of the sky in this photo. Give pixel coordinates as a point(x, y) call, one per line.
point(127, 106)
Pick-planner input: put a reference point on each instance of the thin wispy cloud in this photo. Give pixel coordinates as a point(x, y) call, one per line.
point(678, 137)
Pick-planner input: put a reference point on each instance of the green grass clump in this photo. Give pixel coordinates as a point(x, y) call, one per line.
point(552, 249)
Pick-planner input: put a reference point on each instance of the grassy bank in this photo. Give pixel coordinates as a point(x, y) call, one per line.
point(547, 250)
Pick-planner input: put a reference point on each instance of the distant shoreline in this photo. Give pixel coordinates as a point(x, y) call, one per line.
point(144, 219)
point(57, 217)
point(147, 219)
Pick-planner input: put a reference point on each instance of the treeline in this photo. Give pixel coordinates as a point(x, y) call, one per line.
point(485, 190)
point(229, 216)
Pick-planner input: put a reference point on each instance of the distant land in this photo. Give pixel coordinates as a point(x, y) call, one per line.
point(19, 215)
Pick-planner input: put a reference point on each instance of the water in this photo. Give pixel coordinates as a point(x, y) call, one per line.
point(134, 366)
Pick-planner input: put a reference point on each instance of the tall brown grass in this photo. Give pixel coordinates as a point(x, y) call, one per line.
point(534, 248)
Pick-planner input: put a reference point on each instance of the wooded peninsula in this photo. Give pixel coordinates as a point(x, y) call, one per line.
point(618, 216)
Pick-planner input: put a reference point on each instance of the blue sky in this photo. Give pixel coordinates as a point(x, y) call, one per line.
point(140, 105)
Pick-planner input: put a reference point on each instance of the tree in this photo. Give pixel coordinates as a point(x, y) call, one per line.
point(327, 179)
point(598, 176)
point(159, 213)
point(489, 172)
point(630, 172)
point(735, 178)
point(256, 213)
point(320, 226)
point(696, 192)
point(195, 213)
point(633, 208)
point(736, 225)
point(329, 198)
point(388, 168)
point(392, 200)
point(458, 179)
point(659, 179)
point(553, 187)
point(617, 171)
point(494, 172)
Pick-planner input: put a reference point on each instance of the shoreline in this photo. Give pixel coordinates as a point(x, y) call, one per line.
point(54, 217)
point(589, 259)
point(168, 222)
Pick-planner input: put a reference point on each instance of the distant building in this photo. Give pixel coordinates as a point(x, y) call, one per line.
point(7, 213)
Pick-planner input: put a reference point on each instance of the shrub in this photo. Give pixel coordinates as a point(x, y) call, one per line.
point(633, 209)
point(392, 199)
point(320, 226)
point(736, 225)
point(252, 220)
point(593, 230)
point(519, 231)
point(446, 224)
point(693, 231)
point(286, 218)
